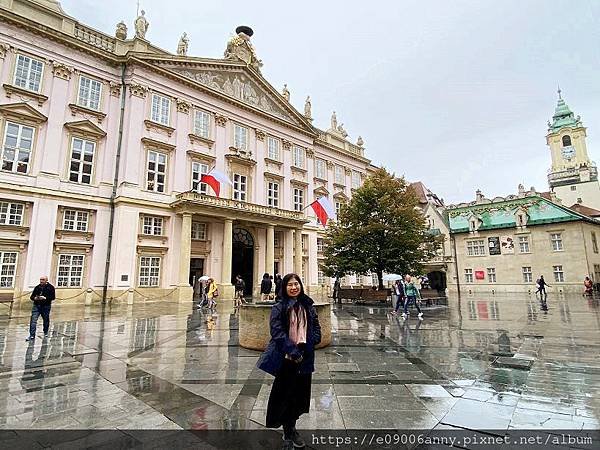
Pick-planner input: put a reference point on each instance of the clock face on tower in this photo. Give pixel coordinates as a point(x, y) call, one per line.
point(568, 152)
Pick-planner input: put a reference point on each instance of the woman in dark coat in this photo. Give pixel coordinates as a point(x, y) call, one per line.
point(265, 287)
point(278, 281)
point(290, 357)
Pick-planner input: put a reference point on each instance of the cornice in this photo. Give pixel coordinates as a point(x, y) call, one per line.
point(148, 142)
point(99, 115)
point(195, 138)
point(201, 156)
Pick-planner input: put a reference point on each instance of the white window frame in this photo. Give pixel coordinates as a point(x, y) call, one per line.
point(240, 187)
point(70, 275)
point(8, 269)
point(298, 198)
point(28, 77)
point(468, 275)
point(80, 176)
point(240, 137)
point(273, 189)
point(320, 277)
point(524, 244)
point(198, 169)
point(202, 123)
point(75, 220)
point(199, 231)
point(476, 247)
point(273, 148)
point(556, 242)
point(153, 225)
point(320, 245)
point(89, 93)
point(149, 271)
point(355, 179)
point(298, 157)
point(160, 109)
point(19, 152)
point(11, 213)
point(338, 207)
point(491, 273)
point(320, 168)
point(339, 175)
point(559, 274)
point(527, 274)
point(152, 183)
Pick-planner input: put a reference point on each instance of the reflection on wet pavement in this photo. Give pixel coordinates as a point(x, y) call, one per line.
point(498, 363)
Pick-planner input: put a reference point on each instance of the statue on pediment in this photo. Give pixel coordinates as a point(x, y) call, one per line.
point(308, 108)
point(121, 32)
point(285, 93)
point(360, 142)
point(334, 124)
point(341, 130)
point(239, 47)
point(141, 25)
point(182, 47)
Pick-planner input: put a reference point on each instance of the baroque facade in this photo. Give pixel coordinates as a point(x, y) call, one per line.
point(105, 139)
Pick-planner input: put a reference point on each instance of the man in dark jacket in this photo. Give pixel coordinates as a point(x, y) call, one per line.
point(42, 297)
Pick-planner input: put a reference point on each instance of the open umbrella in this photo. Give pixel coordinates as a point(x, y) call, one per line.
point(204, 278)
point(392, 277)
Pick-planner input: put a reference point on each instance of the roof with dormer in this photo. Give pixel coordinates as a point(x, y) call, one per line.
point(563, 117)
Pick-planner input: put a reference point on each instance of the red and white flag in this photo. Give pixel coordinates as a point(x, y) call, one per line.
point(215, 179)
point(324, 210)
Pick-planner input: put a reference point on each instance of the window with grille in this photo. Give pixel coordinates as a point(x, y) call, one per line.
point(491, 273)
point(8, 269)
point(338, 208)
point(304, 242)
point(161, 107)
point(469, 275)
point(355, 179)
point(89, 93)
point(240, 137)
point(559, 275)
point(28, 73)
point(201, 123)
point(320, 277)
point(273, 146)
point(273, 194)
point(340, 175)
point(70, 270)
point(82, 160)
point(527, 275)
point(320, 245)
point(198, 231)
point(11, 213)
point(152, 225)
point(556, 240)
point(149, 275)
point(74, 220)
point(298, 199)
point(239, 187)
point(298, 157)
point(197, 170)
point(16, 151)
point(157, 171)
point(476, 248)
point(320, 169)
point(597, 272)
point(277, 239)
point(524, 244)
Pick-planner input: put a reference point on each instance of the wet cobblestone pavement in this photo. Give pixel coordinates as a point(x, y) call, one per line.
point(482, 363)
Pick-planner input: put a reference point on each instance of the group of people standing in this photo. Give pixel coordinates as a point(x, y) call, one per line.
point(205, 293)
point(266, 287)
point(406, 292)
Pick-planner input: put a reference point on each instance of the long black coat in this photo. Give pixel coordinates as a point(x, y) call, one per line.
point(265, 286)
point(280, 344)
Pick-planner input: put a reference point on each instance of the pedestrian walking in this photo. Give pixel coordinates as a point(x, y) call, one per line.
point(265, 287)
point(42, 297)
point(412, 294)
point(588, 286)
point(213, 292)
point(278, 281)
point(336, 290)
point(290, 357)
point(198, 290)
point(399, 291)
point(541, 284)
point(240, 287)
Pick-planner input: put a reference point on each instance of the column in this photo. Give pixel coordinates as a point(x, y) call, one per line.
point(288, 252)
point(227, 249)
point(298, 252)
point(270, 258)
point(185, 250)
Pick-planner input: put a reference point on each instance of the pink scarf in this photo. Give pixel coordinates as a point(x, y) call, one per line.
point(298, 325)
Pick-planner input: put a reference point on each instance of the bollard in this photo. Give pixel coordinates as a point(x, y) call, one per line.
point(88, 297)
point(130, 296)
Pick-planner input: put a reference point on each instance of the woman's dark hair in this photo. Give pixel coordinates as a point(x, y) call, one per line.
point(266, 275)
point(284, 283)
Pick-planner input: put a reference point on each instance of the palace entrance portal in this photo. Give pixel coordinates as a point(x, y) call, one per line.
point(242, 257)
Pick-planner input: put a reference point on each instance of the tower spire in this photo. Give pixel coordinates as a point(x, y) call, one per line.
point(559, 92)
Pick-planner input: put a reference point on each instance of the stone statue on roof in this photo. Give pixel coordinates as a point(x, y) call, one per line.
point(341, 130)
point(285, 92)
point(240, 48)
point(360, 141)
point(182, 47)
point(308, 108)
point(334, 124)
point(141, 25)
point(121, 32)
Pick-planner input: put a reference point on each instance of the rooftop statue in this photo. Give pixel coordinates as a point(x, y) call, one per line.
point(308, 108)
point(121, 31)
point(239, 47)
point(141, 25)
point(182, 47)
point(334, 124)
point(285, 93)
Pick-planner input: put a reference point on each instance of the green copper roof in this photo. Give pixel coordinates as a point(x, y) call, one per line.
point(563, 116)
point(502, 214)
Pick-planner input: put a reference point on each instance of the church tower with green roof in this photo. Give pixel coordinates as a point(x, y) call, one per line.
point(573, 175)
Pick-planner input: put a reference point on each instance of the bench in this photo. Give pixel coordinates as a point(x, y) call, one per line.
point(7, 298)
point(363, 294)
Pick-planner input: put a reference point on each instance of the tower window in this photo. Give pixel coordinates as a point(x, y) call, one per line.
point(573, 188)
point(566, 140)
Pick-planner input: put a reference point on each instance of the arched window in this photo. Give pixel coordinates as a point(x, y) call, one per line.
point(566, 140)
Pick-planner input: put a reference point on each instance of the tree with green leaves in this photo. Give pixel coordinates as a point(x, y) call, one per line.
point(381, 229)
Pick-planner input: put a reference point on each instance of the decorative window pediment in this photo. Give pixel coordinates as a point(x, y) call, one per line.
point(86, 129)
point(22, 112)
point(321, 191)
point(340, 196)
point(474, 223)
point(521, 217)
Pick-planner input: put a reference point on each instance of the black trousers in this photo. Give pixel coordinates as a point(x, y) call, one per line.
point(290, 396)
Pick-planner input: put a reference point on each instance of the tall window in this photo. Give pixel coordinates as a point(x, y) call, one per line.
point(273, 194)
point(277, 239)
point(527, 275)
point(338, 208)
point(597, 273)
point(28, 73)
point(89, 93)
point(198, 231)
point(82, 160)
point(201, 123)
point(149, 275)
point(556, 240)
point(298, 199)
point(239, 187)
point(320, 277)
point(355, 179)
point(559, 275)
point(8, 269)
point(469, 275)
point(273, 145)
point(320, 245)
point(75, 220)
point(298, 157)
point(320, 168)
point(340, 176)
point(16, 151)
point(197, 170)
point(70, 270)
point(491, 272)
point(152, 225)
point(240, 137)
point(594, 242)
point(524, 244)
point(476, 248)
point(161, 107)
point(566, 140)
point(157, 171)
point(11, 213)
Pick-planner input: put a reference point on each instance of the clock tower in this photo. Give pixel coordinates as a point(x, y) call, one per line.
point(573, 175)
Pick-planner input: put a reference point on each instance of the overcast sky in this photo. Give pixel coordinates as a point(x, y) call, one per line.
point(455, 94)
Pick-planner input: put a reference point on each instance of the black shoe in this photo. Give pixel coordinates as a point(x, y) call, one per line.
point(295, 439)
point(288, 444)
